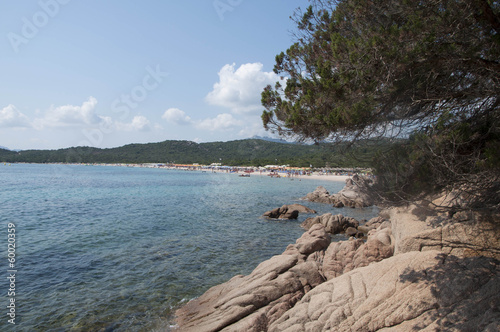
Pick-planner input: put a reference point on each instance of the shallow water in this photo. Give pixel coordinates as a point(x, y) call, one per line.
point(118, 248)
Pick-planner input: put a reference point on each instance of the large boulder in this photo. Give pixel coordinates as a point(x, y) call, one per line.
point(464, 234)
point(413, 291)
point(251, 303)
point(344, 256)
point(319, 195)
point(290, 211)
point(355, 194)
point(334, 224)
point(373, 223)
point(301, 208)
point(284, 212)
point(418, 271)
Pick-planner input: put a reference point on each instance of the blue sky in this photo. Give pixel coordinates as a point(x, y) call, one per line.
point(109, 73)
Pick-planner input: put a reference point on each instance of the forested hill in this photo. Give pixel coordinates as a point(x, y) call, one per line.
point(252, 152)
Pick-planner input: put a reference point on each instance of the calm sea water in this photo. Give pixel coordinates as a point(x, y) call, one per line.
point(118, 249)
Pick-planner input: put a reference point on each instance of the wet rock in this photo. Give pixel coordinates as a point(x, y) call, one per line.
point(301, 208)
point(284, 212)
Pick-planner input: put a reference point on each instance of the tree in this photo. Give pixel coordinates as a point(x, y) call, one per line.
point(425, 70)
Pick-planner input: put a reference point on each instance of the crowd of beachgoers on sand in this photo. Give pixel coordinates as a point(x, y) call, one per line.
point(274, 171)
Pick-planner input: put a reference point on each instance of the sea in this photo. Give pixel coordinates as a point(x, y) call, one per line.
point(102, 248)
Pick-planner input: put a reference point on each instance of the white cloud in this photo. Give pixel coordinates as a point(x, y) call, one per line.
point(10, 117)
point(138, 123)
point(222, 121)
point(253, 128)
point(70, 115)
point(176, 116)
point(85, 116)
point(240, 89)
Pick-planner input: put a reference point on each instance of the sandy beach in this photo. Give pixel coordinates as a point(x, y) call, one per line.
point(241, 170)
point(312, 176)
point(338, 178)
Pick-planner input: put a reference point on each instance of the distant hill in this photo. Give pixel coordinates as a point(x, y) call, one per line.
point(276, 140)
point(251, 152)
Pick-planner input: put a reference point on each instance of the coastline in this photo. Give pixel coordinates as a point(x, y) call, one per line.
point(405, 274)
point(311, 176)
point(236, 171)
point(337, 178)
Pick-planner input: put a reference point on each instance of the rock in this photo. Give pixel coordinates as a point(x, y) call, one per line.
point(354, 194)
point(427, 272)
point(301, 208)
point(273, 214)
point(284, 212)
point(344, 256)
point(334, 224)
point(375, 222)
point(251, 303)
point(319, 195)
point(339, 257)
point(351, 231)
point(410, 292)
point(478, 236)
point(289, 214)
point(338, 204)
point(364, 229)
point(379, 245)
point(313, 240)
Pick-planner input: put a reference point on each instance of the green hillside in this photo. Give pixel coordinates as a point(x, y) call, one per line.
point(251, 152)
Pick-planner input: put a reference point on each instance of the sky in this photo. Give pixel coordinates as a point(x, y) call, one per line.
point(109, 73)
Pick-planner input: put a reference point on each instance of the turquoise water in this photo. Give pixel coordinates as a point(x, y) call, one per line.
point(118, 249)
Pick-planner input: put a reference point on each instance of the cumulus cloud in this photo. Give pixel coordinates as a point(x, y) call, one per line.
point(85, 116)
point(70, 115)
point(138, 123)
point(176, 116)
point(253, 128)
point(240, 89)
point(222, 121)
point(10, 117)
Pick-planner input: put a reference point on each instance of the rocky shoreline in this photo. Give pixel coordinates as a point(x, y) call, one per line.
point(416, 269)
